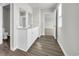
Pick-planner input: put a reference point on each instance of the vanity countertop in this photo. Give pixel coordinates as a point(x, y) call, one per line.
point(31, 27)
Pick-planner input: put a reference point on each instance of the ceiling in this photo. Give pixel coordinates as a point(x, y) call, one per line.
point(50, 6)
point(42, 5)
point(3, 4)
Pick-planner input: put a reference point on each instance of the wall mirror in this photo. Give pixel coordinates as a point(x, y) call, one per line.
point(22, 20)
point(30, 19)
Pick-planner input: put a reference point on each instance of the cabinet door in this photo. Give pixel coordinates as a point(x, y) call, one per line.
point(35, 33)
point(29, 37)
point(22, 41)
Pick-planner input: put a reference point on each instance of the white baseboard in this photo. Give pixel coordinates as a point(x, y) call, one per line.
point(31, 44)
point(22, 49)
point(1, 42)
point(62, 48)
point(13, 49)
point(28, 46)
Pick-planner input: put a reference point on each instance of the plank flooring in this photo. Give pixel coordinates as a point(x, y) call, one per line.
point(43, 46)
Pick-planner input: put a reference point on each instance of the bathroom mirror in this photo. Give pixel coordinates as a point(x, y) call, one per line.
point(30, 19)
point(22, 20)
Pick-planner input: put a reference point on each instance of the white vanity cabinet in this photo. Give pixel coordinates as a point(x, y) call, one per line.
point(35, 33)
point(27, 37)
point(22, 38)
point(32, 35)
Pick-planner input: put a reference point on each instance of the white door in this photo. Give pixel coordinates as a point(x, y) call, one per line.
point(1, 25)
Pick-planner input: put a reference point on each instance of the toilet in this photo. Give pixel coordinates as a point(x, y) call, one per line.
point(5, 34)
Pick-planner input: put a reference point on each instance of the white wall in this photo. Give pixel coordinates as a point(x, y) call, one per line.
point(1, 15)
point(69, 34)
point(42, 25)
point(37, 18)
point(18, 39)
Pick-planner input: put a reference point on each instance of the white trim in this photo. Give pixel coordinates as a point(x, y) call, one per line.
point(11, 28)
point(28, 46)
point(13, 49)
point(62, 48)
point(1, 42)
point(22, 49)
point(1, 25)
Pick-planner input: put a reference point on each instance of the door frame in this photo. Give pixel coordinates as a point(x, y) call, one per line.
point(12, 27)
point(56, 24)
point(57, 28)
point(11, 24)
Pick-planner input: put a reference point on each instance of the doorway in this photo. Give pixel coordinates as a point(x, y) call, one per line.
point(6, 25)
point(50, 24)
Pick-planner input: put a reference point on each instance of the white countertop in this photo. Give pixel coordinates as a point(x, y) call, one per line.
point(25, 28)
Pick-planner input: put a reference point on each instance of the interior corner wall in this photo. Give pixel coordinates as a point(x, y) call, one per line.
point(37, 19)
point(69, 40)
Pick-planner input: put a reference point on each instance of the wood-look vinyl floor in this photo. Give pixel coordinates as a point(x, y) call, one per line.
point(43, 46)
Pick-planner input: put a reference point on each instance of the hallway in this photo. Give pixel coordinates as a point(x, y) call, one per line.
point(44, 46)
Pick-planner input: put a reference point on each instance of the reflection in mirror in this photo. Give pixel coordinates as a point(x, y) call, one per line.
point(22, 20)
point(30, 19)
